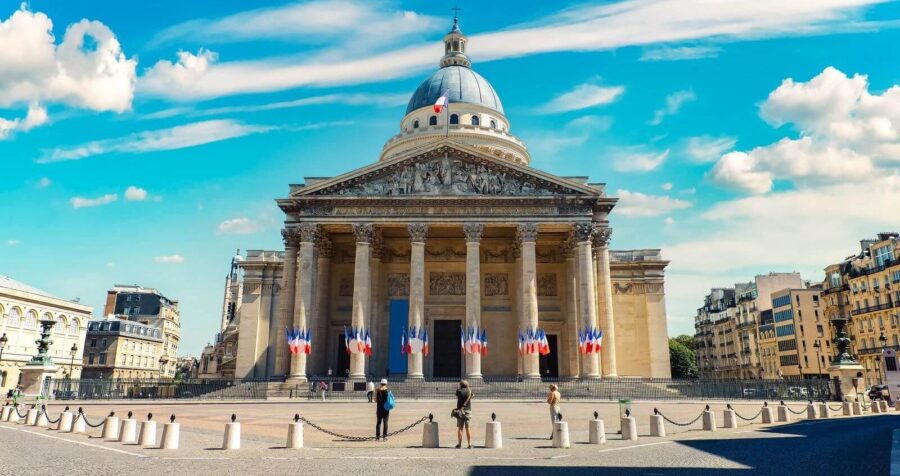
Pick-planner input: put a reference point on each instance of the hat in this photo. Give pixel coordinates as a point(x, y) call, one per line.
point(384, 381)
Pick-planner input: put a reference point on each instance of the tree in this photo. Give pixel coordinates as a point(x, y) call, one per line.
point(682, 359)
point(687, 341)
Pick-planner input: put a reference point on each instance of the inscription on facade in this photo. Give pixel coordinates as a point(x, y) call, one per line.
point(546, 284)
point(496, 284)
point(398, 285)
point(447, 284)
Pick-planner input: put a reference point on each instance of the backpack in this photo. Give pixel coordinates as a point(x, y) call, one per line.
point(389, 402)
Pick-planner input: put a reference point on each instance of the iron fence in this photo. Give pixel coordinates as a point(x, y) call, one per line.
point(575, 389)
point(129, 389)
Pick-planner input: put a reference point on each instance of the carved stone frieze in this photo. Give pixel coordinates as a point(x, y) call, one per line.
point(527, 232)
point(417, 232)
point(496, 284)
point(473, 232)
point(398, 284)
point(398, 255)
point(496, 254)
point(637, 288)
point(447, 284)
point(546, 284)
point(445, 253)
point(377, 244)
point(364, 232)
point(547, 254)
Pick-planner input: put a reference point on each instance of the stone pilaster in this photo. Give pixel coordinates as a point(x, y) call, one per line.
point(527, 233)
point(365, 235)
point(516, 289)
point(320, 319)
point(571, 306)
point(303, 298)
point(418, 232)
point(286, 300)
point(473, 232)
point(604, 286)
point(583, 232)
point(377, 322)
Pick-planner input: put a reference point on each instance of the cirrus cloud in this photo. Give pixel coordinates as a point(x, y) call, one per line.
point(637, 204)
point(240, 226)
point(82, 202)
point(169, 259)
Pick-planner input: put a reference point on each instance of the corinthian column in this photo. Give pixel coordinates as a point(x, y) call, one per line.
point(303, 299)
point(319, 323)
point(365, 234)
point(473, 233)
point(571, 317)
point(587, 304)
point(528, 236)
point(417, 234)
point(604, 285)
point(286, 300)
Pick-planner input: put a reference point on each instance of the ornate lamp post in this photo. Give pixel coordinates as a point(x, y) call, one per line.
point(882, 375)
point(818, 347)
point(72, 352)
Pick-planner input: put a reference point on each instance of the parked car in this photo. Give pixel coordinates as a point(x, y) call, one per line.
point(878, 392)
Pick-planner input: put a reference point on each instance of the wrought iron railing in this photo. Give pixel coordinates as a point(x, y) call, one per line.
point(127, 389)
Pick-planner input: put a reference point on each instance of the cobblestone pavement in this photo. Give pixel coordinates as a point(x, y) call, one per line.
point(757, 448)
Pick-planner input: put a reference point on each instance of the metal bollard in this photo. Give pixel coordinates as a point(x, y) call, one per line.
point(128, 431)
point(493, 434)
point(561, 435)
point(65, 421)
point(31, 417)
point(629, 427)
point(657, 424)
point(430, 434)
point(709, 420)
point(729, 418)
point(596, 430)
point(148, 432)
point(823, 411)
point(295, 434)
point(111, 427)
point(170, 435)
point(857, 408)
point(232, 439)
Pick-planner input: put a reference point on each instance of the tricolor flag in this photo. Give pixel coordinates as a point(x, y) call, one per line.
point(425, 343)
point(483, 342)
point(521, 343)
point(403, 343)
point(346, 340)
point(442, 101)
point(368, 344)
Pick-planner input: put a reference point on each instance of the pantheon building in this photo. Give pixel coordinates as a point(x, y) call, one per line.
point(451, 231)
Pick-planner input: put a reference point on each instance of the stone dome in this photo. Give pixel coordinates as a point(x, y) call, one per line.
point(462, 84)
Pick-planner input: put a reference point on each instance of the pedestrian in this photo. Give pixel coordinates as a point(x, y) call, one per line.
point(323, 385)
point(553, 402)
point(382, 409)
point(370, 390)
point(463, 412)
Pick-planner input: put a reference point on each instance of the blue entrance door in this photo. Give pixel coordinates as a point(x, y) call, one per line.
point(399, 309)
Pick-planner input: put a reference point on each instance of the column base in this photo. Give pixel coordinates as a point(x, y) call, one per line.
point(532, 378)
point(296, 379)
point(475, 378)
point(414, 377)
point(591, 377)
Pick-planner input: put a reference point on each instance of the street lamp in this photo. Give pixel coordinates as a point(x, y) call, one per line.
point(883, 340)
point(818, 346)
point(72, 352)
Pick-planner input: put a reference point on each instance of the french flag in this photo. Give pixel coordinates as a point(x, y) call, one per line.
point(442, 102)
point(425, 344)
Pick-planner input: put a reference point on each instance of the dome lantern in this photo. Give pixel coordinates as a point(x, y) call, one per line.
point(455, 47)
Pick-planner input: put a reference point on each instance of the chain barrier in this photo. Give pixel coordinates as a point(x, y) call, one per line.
point(361, 438)
point(19, 413)
point(839, 408)
point(754, 417)
point(801, 412)
point(865, 407)
point(86, 421)
point(695, 420)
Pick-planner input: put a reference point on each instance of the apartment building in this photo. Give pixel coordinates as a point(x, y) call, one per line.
point(148, 306)
point(802, 333)
point(121, 349)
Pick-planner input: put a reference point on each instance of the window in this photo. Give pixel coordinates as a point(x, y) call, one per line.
point(103, 342)
point(493, 124)
point(883, 255)
point(783, 331)
point(102, 358)
point(91, 358)
point(31, 320)
point(416, 124)
point(835, 280)
point(432, 121)
point(93, 342)
point(476, 121)
point(454, 119)
point(781, 301)
point(820, 330)
point(73, 326)
point(782, 316)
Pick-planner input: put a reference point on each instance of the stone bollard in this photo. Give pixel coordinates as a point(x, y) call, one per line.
point(295, 434)
point(823, 411)
point(561, 435)
point(31, 417)
point(148, 432)
point(65, 421)
point(875, 407)
point(79, 425)
point(14, 416)
point(170, 435)
point(128, 431)
point(857, 408)
point(897, 405)
point(430, 435)
point(657, 424)
point(4, 414)
point(493, 435)
point(766, 413)
point(884, 406)
point(629, 427)
point(111, 427)
point(596, 430)
point(42, 420)
point(810, 411)
point(709, 420)
point(847, 408)
point(729, 418)
point(232, 439)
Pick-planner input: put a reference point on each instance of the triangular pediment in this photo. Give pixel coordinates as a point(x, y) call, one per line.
point(446, 168)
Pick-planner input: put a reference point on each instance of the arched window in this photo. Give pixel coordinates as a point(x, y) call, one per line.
point(416, 124)
point(493, 124)
point(73, 326)
point(454, 119)
point(31, 320)
point(60, 327)
point(432, 121)
point(476, 121)
point(15, 317)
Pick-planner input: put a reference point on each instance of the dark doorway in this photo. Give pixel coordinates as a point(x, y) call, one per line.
point(550, 362)
point(446, 351)
point(343, 358)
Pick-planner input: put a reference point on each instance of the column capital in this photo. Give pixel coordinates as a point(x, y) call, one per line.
point(307, 232)
point(377, 244)
point(568, 247)
point(417, 232)
point(583, 231)
point(527, 232)
point(601, 237)
point(365, 232)
point(290, 237)
point(324, 245)
point(473, 232)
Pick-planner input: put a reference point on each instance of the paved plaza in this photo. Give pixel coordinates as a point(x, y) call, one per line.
point(858, 445)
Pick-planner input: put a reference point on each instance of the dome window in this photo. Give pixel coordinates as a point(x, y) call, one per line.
point(416, 124)
point(432, 121)
point(493, 124)
point(454, 119)
point(476, 121)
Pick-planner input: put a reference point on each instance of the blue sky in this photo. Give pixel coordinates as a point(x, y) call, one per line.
point(144, 144)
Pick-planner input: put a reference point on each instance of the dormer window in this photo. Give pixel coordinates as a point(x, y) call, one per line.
point(454, 119)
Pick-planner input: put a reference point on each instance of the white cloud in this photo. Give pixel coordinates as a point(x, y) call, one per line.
point(358, 99)
point(36, 116)
point(636, 159)
point(707, 148)
point(666, 186)
point(240, 226)
point(81, 202)
point(638, 204)
point(110, 264)
point(13, 242)
point(678, 53)
point(669, 221)
point(178, 137)
point(674, 102)
point(135, 194)
point(845, 133)
point(575, 133)
point(587, 28)
point(169, 259)
point(44, 182)
point(583, 96)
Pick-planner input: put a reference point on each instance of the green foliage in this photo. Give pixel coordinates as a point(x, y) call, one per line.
point(687, 341)
point(684, 364)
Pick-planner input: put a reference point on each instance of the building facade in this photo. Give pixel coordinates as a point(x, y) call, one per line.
point(22, 307)
point(218, 359)
point(148, 306)
point(802, 332)
point(451, 230)
point(120, 349)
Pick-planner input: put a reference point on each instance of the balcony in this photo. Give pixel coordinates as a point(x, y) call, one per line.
point(879, 307)
point(857, 272)
point(875, 350)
